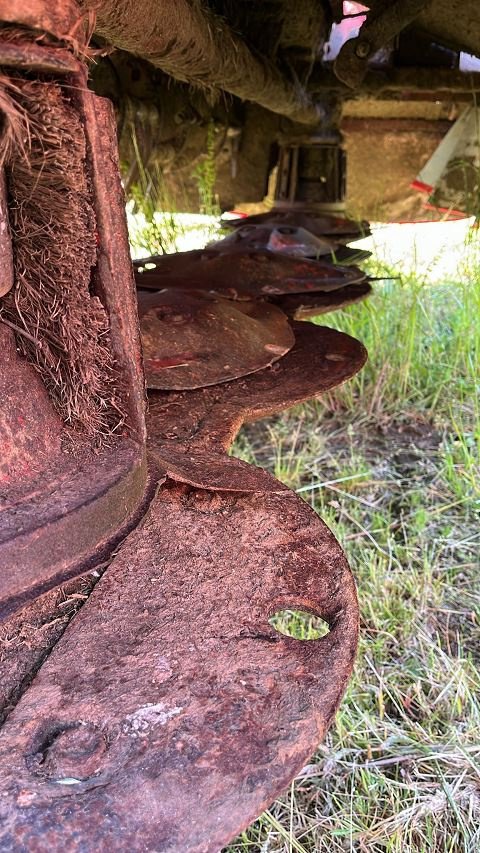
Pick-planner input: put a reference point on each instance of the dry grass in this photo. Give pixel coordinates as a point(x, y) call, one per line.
point(390, 461)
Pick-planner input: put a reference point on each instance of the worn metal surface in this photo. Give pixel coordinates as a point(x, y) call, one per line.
point(171, 713)
point(288, 240)
point(277, 237)
point(171, 673)
point(34, 57)
point(61, 18)
point(319, 224)
point(66, 502)
point(59, 511)
point(241, 274)
point(6, 251)
point(113, 278)
point(210, 418)
point(381, 26)
point(191, 339)
point(192, 44)
point(303, 307)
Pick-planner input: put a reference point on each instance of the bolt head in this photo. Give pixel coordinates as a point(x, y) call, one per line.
point(363, 49)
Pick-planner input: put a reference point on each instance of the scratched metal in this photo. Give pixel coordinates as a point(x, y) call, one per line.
point(171, 713)
point(190, 426)
point(192, 339)
point(243, 274)
point(277, 238)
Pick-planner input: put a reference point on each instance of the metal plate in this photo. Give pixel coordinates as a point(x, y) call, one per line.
point(305, 306)
point(277, 238)
point(170, 722)
point(244, 275)
point(209, 419)
point(170, 678)
point(319, 224)
point(191, 340)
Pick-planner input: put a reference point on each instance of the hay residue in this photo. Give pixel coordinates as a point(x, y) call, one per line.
point(60, 326)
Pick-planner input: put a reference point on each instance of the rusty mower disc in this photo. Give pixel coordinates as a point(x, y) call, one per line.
point(243, 274)
point(304, 306)
point(276, 237)
point(319, 224)
point(193, 339)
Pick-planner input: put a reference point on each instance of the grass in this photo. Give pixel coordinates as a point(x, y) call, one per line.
point(391, 462)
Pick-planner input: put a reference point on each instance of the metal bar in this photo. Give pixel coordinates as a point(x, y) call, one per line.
point(430, 83)
point(36, 57)
point(6, 251)
point(196, 46)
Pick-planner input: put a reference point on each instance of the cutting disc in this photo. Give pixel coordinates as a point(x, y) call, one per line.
point(243, 274)
point(318, 224)
point(303, 306)
point(277, 238)
point(191, 340)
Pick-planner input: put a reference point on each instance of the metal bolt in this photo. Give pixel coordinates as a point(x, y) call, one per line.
point(363, 49)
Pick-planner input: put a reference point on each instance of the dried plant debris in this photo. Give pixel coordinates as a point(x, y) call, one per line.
point(60, 327)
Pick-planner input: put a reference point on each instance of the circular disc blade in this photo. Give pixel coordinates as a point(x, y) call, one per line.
point(317, 223)
point(191, 340)
point(305, 306)
point(245, 274)
point(276, 237)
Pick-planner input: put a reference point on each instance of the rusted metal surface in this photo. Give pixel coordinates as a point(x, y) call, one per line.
point(193, 339)
point(319, 224)
point(6, 252)
point(244, 274)
point(210, 418)
point(183, 676)
point(303, 307)
point(66, 520)
point(66, 502)
point(113, 277)
point(170, 677)
point(34, 57)
point(30, 430)
point(182, 685)
point(61, 18)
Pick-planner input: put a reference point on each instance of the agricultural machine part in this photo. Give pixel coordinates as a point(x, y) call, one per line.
point(304, 307)
point(6, 253)
point(73, 469)
point(240, 274)
point(378, 30)
point(195, 45)
point(289, 241)
point(312, 175)
point(191, 340)
point(170, 712)
point(318, 223)
point(173, 720)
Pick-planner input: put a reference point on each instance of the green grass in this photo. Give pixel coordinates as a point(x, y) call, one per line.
point(390, 461)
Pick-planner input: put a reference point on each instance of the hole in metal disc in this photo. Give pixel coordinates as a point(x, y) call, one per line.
point(299, 624)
